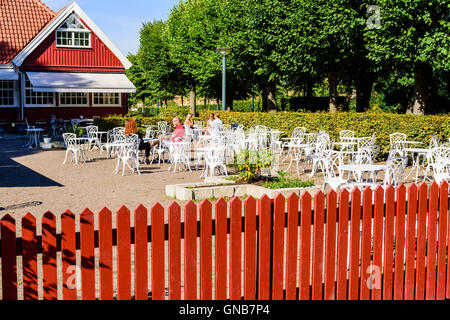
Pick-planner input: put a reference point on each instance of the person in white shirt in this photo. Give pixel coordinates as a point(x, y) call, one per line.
point(217, 123)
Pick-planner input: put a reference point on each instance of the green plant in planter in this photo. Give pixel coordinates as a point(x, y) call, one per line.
point(78, 131)
point(250, 162)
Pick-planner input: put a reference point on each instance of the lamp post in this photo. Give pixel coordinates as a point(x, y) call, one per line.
point(224, 52)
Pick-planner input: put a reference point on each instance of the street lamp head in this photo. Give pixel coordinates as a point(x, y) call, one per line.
point(224, 51)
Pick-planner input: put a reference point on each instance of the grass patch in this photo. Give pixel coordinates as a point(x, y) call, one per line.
point(284, 183)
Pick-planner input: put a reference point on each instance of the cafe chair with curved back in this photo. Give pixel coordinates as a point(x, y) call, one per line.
point(128, 154)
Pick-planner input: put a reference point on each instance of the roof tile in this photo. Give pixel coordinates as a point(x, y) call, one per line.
point(20, 21)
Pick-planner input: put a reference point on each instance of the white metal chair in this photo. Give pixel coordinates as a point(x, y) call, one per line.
point(74, 147)
point(128, 154)
point(179, 153)
point(396, 144)
point(441, 164)
point(214, 159)
point(93, 138)
point(331, 173)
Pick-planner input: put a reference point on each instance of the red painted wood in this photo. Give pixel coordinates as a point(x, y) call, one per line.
point(34, 114)
point(377, 263)
point(421, 242)
point(123, 254)
point(330, 247)
point(221, 250)
point(410, 242)
point(400, 243)
point(366, 245)
point(174, 252)
point(264, 242)
point(190, 251)
point(317, 264)
point(278, 247)
point(158, 254)
point(9, 264)
point(29, 258)
point(235, 249)
point(250, 249)
point(291, 247)
point(47, 55)
point(87, 255)
point(206, 250)
point(355, 234)
point(105, 254)
point(442, 241)
point(430, 290)
point(342, 267)
point(49, 256)
point(69, 264)
point(140, 253)
point(389, 244)
point(305, 246)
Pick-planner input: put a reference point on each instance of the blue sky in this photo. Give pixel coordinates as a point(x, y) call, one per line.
point(121, 20)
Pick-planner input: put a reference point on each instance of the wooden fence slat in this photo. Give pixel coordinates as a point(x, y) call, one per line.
point(235, 248)
point(330, 247)
point(400, 243)
point(158, 252)
point(29, 254)
point(342, 245)
point(278, 247)
point(264, 242)
point(291, 247)
point(250, 249)
point(421, 241)
point(49, 256)
point(206, 250)
point(140, 253)
point(318, 245)
point(190, 251)
point(366, 244)
point(305, 246)
point(221, 250)
point(87, 255)
point(69, 263)
point(123, 254)
point(355, 234)
point(174, 252)
point(105, 254)
point(389, 244)
point(9, 264)
point(442, 240)
point(430, 289)
point(410, 242)
point(377, 264)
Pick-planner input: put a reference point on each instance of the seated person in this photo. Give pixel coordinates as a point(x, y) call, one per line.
point(217, 123)
point(131, 128)
point(177, 134)
point(189, 122)
point(209, 126)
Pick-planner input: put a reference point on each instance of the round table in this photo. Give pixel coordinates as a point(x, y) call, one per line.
point(34, 136)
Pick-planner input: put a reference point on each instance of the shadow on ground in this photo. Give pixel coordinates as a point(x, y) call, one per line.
point(14, 174)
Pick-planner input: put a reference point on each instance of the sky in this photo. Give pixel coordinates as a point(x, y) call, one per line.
point(120, 20)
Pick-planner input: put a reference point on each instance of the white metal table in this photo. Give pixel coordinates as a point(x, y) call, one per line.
point(34, 135)
point(359, 169)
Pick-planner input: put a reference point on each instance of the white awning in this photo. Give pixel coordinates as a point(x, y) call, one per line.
point(80, 82)
point(8, 74)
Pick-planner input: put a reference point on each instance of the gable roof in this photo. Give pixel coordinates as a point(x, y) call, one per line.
point(16, 27)
point(51, 26)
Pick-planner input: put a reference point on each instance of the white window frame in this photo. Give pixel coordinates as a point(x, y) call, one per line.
point(107, 104)
point(72, 31)
point(73, 105)
point(31, 105)
point(14, 89)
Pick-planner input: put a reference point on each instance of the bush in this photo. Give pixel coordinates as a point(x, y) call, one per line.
point(419, 128)
point(250, 162)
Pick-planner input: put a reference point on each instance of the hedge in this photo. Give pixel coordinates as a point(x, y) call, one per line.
point(418, 128)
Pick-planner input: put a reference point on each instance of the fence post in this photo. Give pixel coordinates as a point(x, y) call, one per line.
point(9, 266)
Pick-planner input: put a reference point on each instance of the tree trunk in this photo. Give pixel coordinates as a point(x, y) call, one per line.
point(218, 103)
point(423, 88)
point(192, 101)
point(332, 82)
point(364, 85)
point(182, 101)
point(272, 97)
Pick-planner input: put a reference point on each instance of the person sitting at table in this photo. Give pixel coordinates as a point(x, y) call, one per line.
point(177, 134)
point(209, 123)
point(217, 123)
point(189, 122)
point(131, 128)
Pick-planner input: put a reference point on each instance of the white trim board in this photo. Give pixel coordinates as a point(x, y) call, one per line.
point(57, 21)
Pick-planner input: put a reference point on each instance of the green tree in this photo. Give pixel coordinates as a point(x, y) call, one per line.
point(414, 35)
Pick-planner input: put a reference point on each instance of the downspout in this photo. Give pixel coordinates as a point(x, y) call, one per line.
point(20, 92)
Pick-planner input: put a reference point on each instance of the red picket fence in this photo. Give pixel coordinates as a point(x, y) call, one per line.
point(382, 244)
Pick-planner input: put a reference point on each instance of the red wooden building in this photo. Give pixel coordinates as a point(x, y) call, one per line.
point(58, 64)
